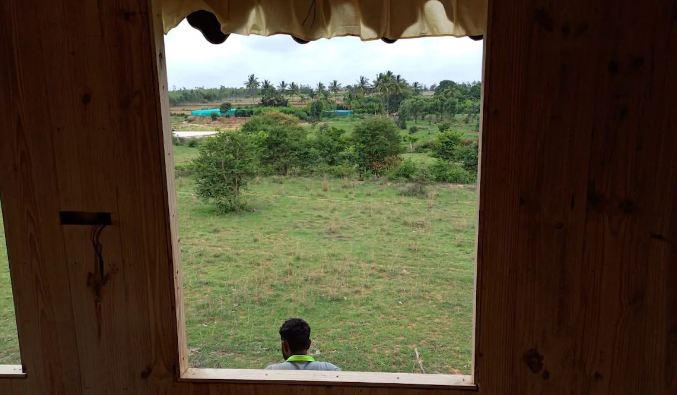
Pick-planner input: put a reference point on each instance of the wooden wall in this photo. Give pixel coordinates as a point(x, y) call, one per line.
point(577, 289)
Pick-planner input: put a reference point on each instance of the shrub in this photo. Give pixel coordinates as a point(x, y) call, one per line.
point(222, 169)
point(192, 143)
point(414, 129)
point(224, 107)
point(375, 141)
point(446, 143)
point(183, 170)
point(329, 144)
point(467, 154)
point(451, 172)
point(424, 145)
point(444, 126)
point(280, 140)
point(414, 189)
point(405, 171)
point(214, 116)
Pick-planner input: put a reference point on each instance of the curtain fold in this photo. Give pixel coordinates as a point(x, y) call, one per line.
point(314, 19)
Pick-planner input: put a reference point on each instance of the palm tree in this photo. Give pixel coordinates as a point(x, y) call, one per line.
point(417, 87)
point(282, 86)
point(294, 89)
point(252, 84)
point(334, 87)
point(362, 85)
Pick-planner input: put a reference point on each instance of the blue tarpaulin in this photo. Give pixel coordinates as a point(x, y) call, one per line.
point(205, 112)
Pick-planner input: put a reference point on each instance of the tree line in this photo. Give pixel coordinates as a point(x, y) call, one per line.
point(277, 144)
point(388, 94)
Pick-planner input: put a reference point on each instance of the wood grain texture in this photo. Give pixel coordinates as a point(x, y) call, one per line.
point(577, 251)
point(577, 215)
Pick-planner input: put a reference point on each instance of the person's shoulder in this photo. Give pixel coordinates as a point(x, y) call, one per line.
point(329, 366)
point(279, 366)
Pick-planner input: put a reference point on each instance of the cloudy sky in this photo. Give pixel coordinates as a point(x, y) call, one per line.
point(193, 62)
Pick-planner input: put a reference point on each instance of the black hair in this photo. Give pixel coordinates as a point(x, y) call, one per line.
point(296, 332)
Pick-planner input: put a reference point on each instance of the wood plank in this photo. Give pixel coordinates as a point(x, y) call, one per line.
point(448, 381)
point(578, 173)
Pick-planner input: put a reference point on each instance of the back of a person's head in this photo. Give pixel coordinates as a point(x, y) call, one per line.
point(296, 332)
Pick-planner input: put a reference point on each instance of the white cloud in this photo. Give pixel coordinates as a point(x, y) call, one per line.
point(192, 61)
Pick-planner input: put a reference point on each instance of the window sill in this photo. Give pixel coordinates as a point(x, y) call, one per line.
point(12, 371)
point(260, 376)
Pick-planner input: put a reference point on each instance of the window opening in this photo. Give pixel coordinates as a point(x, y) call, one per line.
point(9, 341)
point(378, 256)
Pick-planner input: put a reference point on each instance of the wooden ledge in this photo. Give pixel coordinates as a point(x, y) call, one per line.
point(12, 372)
point(307, 377)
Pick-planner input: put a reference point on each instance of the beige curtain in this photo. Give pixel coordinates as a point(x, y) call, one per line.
point(314, 19)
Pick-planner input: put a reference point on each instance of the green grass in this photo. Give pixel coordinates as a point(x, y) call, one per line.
point(377, 274)
point(9, 344)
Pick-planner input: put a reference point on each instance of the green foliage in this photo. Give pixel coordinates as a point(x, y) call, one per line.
point(375, 141)
point(467, 154)
point(280, 140)
point(446, 143)
point(330, 144)
point(222, 169)
point(315, 109)
point(214, 116)
point(204, 95)
point(413, 129)
point(452, 172)
point(407, 170)
point(192, 143)
point(444, 126)
point(224, 107)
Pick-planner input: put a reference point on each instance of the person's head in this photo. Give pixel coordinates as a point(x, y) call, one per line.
point(295, 337)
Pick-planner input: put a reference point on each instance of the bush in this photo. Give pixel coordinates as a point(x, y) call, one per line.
point(376, 141)
point(467, 154)
point(414, 189)
point(280, 140)
point(183, 170)
point(424, 146)
point(405, 171)
point(214, 116)
point(445, 145)
point(192, 143)
point(451, 172)
point(414, 129)
point(224, 107)
point(222, 169)
point(330, 144)
point(243, 113)
point(444, 126)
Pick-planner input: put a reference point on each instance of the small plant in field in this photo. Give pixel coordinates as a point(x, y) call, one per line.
point(214, 116)
point(325, 184)
point(414, 189)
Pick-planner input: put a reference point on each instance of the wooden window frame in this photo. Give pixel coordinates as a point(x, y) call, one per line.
point(260, 376)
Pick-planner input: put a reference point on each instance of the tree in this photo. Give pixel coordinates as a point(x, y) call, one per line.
point(282, 87)
point(446, 145)
point(334, 87)
point(362, 86)
point(294, 90)
point(225, 107)
point(279, 139)
point(252, 84)
point(376, 140)
point(223, 167)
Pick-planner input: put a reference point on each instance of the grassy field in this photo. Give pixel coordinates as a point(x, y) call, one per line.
point(9, 344)
point(377, 273)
